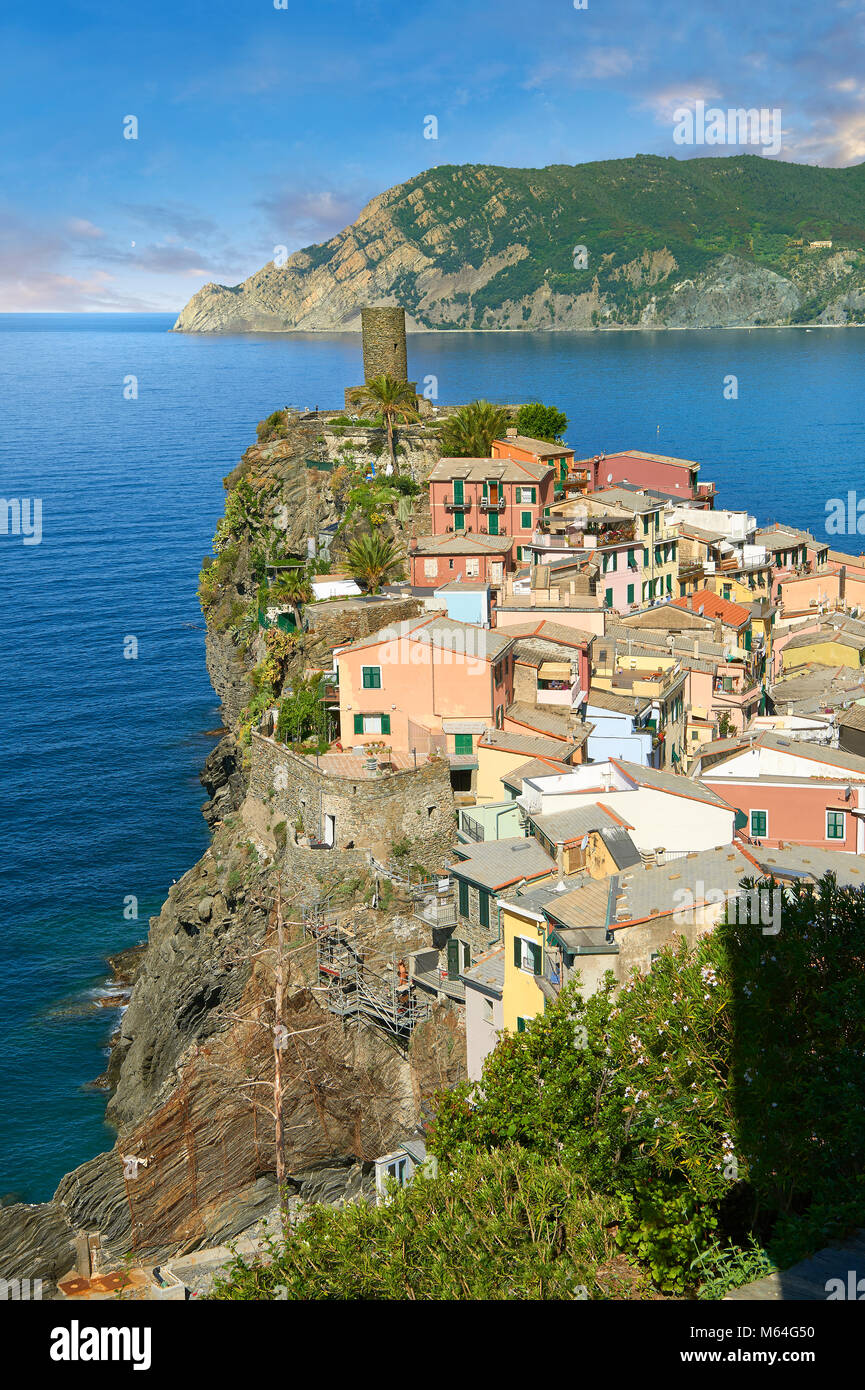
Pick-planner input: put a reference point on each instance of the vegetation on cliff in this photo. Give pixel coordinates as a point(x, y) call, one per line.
point(704, 1121)
point(611, 243)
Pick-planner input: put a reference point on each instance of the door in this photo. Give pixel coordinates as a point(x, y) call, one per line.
point(329, 830)
point(494, 523)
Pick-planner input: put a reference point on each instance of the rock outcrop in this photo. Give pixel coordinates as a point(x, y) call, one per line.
point(637, 243)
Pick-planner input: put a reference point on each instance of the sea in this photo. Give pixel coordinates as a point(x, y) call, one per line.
point(122, 432)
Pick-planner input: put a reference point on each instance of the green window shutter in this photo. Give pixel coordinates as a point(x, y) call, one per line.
point(484, 492)
point(385, 723)
point(358, 723)
point(608, 598)
point(537, 958)
point(521, 1024)
point(534, 494)
point(645, 557)
point(758, 824)
point(371, 678)
point(631, 558)
point(483, 907)
point(835, 825)
point(669, 583)
point(459, 521)
point(463, 894)
point(526, 520)
point(494, 523)
point(459, 491)
point(630, 593)
point(518, 952)
point(463, 744)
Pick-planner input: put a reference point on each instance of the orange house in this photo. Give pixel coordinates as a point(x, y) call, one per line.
point(423, 685)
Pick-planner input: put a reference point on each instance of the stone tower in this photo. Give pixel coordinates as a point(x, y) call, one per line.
point(384, 350)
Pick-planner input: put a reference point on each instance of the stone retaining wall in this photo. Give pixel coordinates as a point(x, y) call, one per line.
point(368, 814)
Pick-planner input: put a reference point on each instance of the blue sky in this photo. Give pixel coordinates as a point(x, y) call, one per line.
point(260, 127)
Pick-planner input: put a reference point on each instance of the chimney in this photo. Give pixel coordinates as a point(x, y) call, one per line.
point(842, 583)
point(718, 632)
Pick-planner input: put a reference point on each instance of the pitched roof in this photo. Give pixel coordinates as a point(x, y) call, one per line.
point(797, 748)
point(529, 744)
point(853, 718)
point(631, 501)
point(496, 864)
point(560, 827)
point(542, 719)
point(550, 631)
point(712, 606)
point(487, 644)
point(535, 767)
point(462, 544)
point(488, 972)
point(623, 704)
point(641, 454)
point(505, 470)
point(669, 782)
point(542, 447)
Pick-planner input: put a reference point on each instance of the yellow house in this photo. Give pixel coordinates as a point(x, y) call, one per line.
point(524, 935)
point(501, 752)
point(826, 648)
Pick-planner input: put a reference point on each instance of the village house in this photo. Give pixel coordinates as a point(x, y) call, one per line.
point(673, 478)
point(664, 814)
point(657, 540)
point(484, 985)
point(625, 921)
point(789, 791)
point(500, 752)
point(425, 686)
point(628, 670)
point(539, 452)
point(437, 560)
point(490, 496)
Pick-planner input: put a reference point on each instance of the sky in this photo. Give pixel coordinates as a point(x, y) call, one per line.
point(260, 127)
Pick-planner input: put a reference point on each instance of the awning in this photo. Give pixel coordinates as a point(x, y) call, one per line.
point(555, 671)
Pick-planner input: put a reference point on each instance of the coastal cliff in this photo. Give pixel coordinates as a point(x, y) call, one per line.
point(642, 243)
point(194, 1160)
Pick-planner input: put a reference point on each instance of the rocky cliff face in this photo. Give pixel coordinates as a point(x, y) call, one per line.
point(196, 1038)
point(628, 243)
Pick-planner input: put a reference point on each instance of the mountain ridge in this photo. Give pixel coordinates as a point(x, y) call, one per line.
point(645, 242)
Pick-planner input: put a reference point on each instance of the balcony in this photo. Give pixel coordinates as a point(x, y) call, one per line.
point(458, 506)
point(487, 506)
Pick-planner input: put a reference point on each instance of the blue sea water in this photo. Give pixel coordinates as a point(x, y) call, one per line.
point(99, 754)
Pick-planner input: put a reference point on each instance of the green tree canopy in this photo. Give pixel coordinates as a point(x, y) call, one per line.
point(541, 422)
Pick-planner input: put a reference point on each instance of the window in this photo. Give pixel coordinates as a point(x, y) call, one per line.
point(526, 494)
point(463, 897)
point(645, 526)
point(459, 521)
point(493, 520)
point(397, 1171)
point(459, 492)
point(430, 568)
point(645, 557)
point(608, 598)
point(669, 583)
point(630, 593)
point(371, 677)
point(527, 955)
point(835, 829)
point(759, 825)
point(483, 907)
point(632, 559)
point(473, 566)
point(450, 564)
point(521, 1023)
point(526, 521)
point(372, 723)
point(463, 744)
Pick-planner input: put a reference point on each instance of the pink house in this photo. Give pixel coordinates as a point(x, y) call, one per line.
point(439, 560)
point(653, 472)
point(789, 791)
point(423, 685)
point(490, 496)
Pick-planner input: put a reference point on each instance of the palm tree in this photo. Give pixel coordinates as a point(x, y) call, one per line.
point(371, 558)
point(293, 588)
point(392, 400)
point(470, 431)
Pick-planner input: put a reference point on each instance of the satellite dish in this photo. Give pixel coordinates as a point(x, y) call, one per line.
point(609, 477)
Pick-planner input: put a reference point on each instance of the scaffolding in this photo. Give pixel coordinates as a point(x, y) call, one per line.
point(355, 991)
